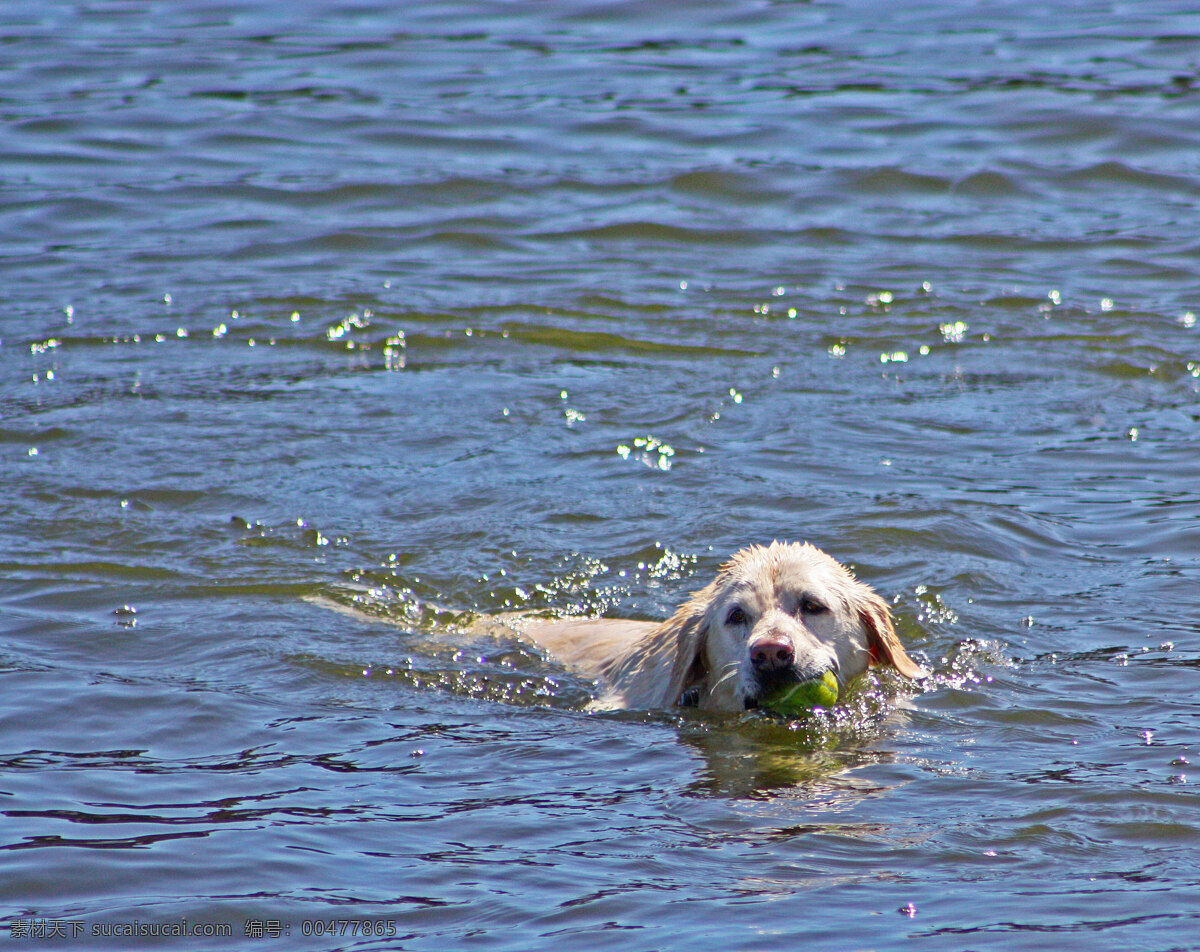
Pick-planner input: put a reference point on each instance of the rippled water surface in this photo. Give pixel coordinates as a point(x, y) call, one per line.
point(430, 307)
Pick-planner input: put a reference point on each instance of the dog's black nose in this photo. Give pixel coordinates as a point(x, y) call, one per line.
point(771, 654)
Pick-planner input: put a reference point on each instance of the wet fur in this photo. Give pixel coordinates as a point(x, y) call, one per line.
point(698, 656)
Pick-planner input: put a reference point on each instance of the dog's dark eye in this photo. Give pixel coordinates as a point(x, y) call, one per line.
point(736, 616)
point(810, 606)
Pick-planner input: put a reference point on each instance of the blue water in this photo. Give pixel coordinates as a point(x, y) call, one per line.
point(433, 307)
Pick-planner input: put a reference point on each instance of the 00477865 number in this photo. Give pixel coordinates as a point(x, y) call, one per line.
point(350, 927)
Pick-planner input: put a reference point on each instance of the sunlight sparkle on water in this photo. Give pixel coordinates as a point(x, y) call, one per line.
point(649, 450)
point(953, 333)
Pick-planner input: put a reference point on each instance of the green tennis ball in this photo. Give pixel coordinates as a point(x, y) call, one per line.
point(803, 697)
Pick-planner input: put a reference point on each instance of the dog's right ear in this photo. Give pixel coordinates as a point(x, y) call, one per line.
point(664, 665)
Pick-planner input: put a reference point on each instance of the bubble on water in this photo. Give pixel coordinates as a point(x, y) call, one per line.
point(126, 616)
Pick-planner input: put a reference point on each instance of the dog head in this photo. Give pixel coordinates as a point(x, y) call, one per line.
point(777, 615)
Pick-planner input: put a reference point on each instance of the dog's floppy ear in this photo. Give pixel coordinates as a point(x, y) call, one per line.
point(882, 638)
point(664, 664)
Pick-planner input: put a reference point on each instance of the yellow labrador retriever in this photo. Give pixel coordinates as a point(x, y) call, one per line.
point(773, 616)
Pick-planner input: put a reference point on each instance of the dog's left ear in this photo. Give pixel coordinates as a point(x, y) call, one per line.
point(882, 638)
